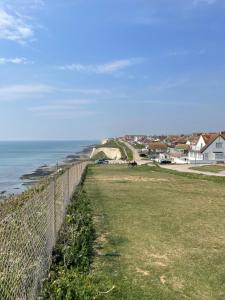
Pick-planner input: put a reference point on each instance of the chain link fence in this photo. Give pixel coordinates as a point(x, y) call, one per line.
point(28, 236)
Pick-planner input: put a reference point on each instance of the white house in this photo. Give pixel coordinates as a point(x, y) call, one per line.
point(195, 155)
point(214, 151)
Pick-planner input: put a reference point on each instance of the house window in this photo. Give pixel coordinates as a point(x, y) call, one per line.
point(219, 145)
point(219, 155)
point(206, 156)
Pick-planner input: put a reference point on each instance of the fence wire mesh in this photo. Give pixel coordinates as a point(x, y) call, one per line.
point(28, 235)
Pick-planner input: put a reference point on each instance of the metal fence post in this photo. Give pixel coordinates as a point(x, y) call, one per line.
point(54, 208)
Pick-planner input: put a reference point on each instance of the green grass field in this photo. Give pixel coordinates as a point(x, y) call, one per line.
point(210, 168)
point(159, 235)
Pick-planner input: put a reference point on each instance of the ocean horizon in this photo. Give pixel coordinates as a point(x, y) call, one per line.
point(21, 157)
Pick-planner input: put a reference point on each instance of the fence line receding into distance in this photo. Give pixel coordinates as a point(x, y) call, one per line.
point(28, 235)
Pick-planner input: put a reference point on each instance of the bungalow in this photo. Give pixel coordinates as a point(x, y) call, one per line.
point(214, 150)
point(156, 148)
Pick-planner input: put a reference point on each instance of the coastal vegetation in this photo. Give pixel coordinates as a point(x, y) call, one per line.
point(36, 217)
point(139, 146)
point(71, 276)
point(68, 277)
point(11, 203)
point(37, 184)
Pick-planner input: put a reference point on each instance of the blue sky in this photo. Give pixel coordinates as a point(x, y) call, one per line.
point(78, 69)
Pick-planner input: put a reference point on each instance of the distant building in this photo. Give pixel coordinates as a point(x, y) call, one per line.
point(156, 148)
point(183, 149)
point(135, 138)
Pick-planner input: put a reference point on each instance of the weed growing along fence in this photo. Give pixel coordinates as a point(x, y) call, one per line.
point(69, 277)
point(28, 235)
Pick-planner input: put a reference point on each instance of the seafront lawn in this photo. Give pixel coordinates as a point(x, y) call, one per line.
point(210, 168)
point(160, 235)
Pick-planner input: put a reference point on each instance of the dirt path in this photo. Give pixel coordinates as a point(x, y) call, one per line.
point(186, 168)
point(136, 155)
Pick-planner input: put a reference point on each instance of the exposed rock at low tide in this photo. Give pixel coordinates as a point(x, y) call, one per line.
point(40, 172)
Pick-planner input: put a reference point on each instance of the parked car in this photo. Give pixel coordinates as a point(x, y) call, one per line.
point(101, 161)
point(165, 161)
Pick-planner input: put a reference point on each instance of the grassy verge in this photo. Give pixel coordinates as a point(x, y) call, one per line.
point(139, 146)
point(70, 276)
point(127, 151)
point(210, 168)
point(160, 234)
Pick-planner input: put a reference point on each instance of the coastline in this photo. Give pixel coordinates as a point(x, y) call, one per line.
point(29, 180)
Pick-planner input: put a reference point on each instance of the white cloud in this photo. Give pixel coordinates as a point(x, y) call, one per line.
point(16, 61)
point(24, 4)
point(16, 19)
point(64, 108)
point(28, 91)
point(67, 114)
point(22, 91)
point(86, 91)
point(13, 27)
point(107, 68)
point(59, 106)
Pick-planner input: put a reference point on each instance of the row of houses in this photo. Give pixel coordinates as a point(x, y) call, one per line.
point(194, 148)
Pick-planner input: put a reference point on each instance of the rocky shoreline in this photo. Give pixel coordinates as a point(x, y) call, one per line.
point(30, 179)
point(46, 170)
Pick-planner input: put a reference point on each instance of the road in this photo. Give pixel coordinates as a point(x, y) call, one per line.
point(136, 155)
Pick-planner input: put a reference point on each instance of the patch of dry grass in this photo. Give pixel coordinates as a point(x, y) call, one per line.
point(210, 168)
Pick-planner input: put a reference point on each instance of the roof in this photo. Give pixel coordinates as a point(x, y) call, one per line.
point(157, 145)
point(182, 146)
point(213, 138)
point(181, 140)
point(208, 136)
point(193, 139)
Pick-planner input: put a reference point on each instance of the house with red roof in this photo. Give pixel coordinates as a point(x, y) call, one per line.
point(214, 150)
point(210, 148)
point(157, 148)
point(194, 154)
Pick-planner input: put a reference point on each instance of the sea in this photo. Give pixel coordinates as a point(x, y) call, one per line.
point(22, 157)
